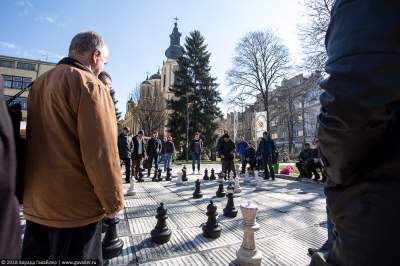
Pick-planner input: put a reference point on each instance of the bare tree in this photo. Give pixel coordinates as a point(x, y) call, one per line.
point(152, 114)
point(312, 33)
point(260, 60)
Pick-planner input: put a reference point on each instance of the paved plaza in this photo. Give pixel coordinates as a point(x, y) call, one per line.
point(291, 216)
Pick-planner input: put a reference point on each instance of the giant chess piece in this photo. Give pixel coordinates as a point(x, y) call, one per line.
point(230, 209)
point(131, 191)
point(184, 174)
point(168, 177)
point(197, 193)
point(248, 255)
point(161, 234)
point(238, 188)
point(179, 178)
point(159, 177)
point(220, 192)
point(259, 181)
point(211, 228)
point(206, 177)
point(112, 245)
point(212, 176)
point(104, 225)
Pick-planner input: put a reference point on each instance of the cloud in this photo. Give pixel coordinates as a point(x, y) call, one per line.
point(46, 19)
point(25, 6)
point(7, 45)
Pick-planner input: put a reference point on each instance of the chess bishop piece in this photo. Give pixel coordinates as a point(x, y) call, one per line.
point(220, 192)
point(238, 188)
point(159, 177)
point(112, 245)
point(211, 228)
point(184, 174)
point(168, 177)
point(206, 177)
point(248, 255)
point(131, 191)
point(230, 209)
point(197, 193)
point(212, 176)
point(161, 234)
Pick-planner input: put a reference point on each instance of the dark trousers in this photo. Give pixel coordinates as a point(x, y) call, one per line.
point(195, 158)
point(251, 161)
point(304, 173)
point(150, 163)
point(136, 162)
point(127, 162)
point(228, 166)
point(80, 243)
point(267, 163)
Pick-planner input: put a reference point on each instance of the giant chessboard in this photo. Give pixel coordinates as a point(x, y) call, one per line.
point(291, 215)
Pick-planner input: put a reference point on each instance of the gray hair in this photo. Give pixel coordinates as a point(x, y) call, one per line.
point(86, 42)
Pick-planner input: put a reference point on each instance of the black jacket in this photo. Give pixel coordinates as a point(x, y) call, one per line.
point(125, 146)
point(193, 145)
point(154, 147)
point(226, 149)
point(359, 129)
point(250, 153)
point(135, 151)
point(169, 147)
point(306, 154)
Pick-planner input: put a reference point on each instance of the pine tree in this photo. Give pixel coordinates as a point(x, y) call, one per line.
point(195, 92)
point(117, 113)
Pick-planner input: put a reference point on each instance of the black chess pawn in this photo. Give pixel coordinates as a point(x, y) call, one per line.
point(197, 193)
point(168, 177)
point(184, 174)
point(206, 177)
point(230, 209)
point(212, 176)
point(211, 228)
point(159, 177)
point(161, 234)
point(112, 245)
point(220, 192)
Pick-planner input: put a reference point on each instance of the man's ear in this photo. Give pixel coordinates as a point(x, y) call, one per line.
point(95, 56)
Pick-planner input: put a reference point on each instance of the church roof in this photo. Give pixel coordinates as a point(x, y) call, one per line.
point(175, 50)
point(156, 75)
point(146, 81)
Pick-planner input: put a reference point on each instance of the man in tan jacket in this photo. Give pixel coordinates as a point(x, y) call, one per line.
point(73, 177)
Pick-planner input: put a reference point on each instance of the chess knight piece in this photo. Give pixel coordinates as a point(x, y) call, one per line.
point(161, 234)
point(184, 175)
point(112, 245)
point(212, 176)
point(220, 192)
point(211, 228)
point(168, 177)
point(248, 255)
point(230, 209)
point(197, 193)
point(131, 191)
point(206, 177)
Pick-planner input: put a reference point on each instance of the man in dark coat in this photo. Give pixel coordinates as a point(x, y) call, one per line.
point(196, 147)
point(359, 129)
point(153, 151)
point(265, 151)
point(10, 233)
point(125, 146)
point(227, 153)
point(305, 155)
point(138, 153)
point(251, 157)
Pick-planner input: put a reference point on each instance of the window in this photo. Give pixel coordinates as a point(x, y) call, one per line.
point(15, 82)
point(21, 101)
point(274, 136)
point(300, 133)
point(26, 82)
point(26, 66)
point(6, 63)
point(7, 81)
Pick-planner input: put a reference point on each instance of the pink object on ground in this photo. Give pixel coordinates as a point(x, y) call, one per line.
point(287, 170)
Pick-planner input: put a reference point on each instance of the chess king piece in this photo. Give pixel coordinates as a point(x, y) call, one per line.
point(248, 255)
point(112, 245)
point(230, 209)
point(206, 177)
point(184, 174)
point(220, 192)
point(161, 234)
point(197, 193)
point(238, 188)
point(168, 177)
point(131, 191)
point(212, 176)
point(159, 177)
point(211, 228)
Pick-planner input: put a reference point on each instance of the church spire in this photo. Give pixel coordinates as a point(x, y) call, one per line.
point(175, 50)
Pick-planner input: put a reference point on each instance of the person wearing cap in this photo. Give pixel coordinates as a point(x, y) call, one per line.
point(138, 153)
point(227, 153)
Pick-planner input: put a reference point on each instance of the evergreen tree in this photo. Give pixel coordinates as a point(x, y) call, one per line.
point(117, 113)
point(195, 93)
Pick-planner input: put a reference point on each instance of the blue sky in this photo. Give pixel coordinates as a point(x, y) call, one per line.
point(137, 31)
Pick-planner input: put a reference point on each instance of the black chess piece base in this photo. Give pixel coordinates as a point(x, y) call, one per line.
point(112, 245)
point(213, 231)
point(220, 192)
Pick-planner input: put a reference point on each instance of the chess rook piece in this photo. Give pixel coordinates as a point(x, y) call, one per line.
point(131, 191)
point(212, 176)
point(247, 254)
point(220, 192)
point(168, 177)
point(197, 193)
point(230, 209)
point(159, 177)
point(184, 175)
point(161, 234)
point(206, 177)
point(112, 245)
point(211, 228)
point(237, 189)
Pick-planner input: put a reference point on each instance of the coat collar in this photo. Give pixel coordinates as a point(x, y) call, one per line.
point(74, 63)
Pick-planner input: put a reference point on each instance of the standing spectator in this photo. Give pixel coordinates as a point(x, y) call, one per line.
point(162, 153)
point(265, 152)
point(251, 157)
point(73, 177)
point(196, 147)
point(125, 147)
point(169, 152)
point(221, 139)
point(153, 151)
point(241, 149)
point(138, 153)
point(10, 234)
point(227, 153)
point(304, 161)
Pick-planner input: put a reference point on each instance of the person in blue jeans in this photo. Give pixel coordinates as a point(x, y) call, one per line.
point(196, 148)
point(169, 150)
point(241, 148)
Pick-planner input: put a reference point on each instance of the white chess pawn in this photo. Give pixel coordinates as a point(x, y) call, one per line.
point(259, 181)
point(237, 188)
point(179, 178)
point(248, 255)
point(131, 191)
